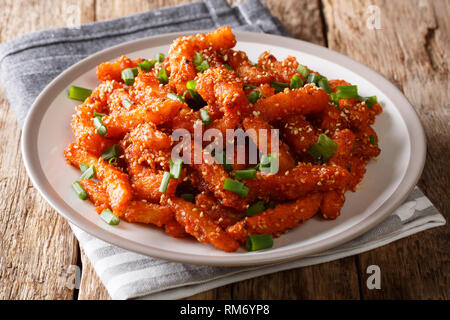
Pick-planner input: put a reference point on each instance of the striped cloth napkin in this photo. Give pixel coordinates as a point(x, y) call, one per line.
point(128, 275)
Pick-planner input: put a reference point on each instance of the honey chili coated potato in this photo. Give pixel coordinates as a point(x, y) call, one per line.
point(125, 133)
point(273, 221)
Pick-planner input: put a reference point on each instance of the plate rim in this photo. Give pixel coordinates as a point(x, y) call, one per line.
point(408, 182)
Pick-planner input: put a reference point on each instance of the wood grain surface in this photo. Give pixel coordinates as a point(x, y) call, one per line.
point(407, 41)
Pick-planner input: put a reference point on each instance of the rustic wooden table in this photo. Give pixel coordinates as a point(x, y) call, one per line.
point(405, 40)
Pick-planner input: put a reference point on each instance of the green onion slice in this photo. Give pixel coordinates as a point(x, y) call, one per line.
point(296, 82)
point(98, 124)
point(228, 66)
point(160, 57)
point(247, 85)
point(334, 99)
point(204, 115)
point(82, 194)
point(162, 76)
point(254, 96)
point(128, 75)
point(373, 140)
point(175, 168)
point(165, 182)
point(259, 242)
point(324, 148)
point(174, 96)
point(111, 152)
point(236, 187)
point(245, 174)
point(190, 86)
point(189, 197)
point(323, 83)
point(269, 163)
point(127, 103)
point(313, 78)
point(147, 65)
point(79, 93)
point(98, 114)
point(347, 92)
point(200, 64)
point(304, 71)
point(88, 173)
point(371, 101)
point(279, 86)
point(108, 216)
point(83, 167)
point(255, 208)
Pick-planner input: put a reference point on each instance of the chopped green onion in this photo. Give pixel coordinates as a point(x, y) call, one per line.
point(279, 86)
point(146, 64)
point(128, 75)
point(174, 96)
point(371, 101)
point(373, 140)
point(190, 86)
point(88, 173)
point(247, 85)
point(323, 83)
point(111, 152)
point(204, 115)
point(189, 197)
point(82, 194)
point(165, 182)
point(313, 78)
point(200, 64)
point(175, 168)
point(160, 57)
point(245, 174)
point(334, 99)
point(259, 242)
point(79, 93)
point(254, 96)
point(255, 208)
point(98, 124)
point(236, 187)
point(347, 92)
point(269, 163)
point(228, 66)
point(198, 58)
point(97, 114)
point(108, 216)
point(127, 103)
point(324, 148)
point(296, 82)
point(162, 76)
point(113, 161)
point(304, 71)
point(83, 167)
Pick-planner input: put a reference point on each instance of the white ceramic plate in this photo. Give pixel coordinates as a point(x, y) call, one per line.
point(386, 184)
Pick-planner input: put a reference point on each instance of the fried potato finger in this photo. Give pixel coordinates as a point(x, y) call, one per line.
point(199, 225)
point(281, 218)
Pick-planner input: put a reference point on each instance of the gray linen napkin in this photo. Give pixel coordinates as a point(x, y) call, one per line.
point(125, 274)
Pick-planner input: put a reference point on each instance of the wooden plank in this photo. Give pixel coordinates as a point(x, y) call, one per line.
point(37, 245)
point(333, 280)
point(411, 49)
